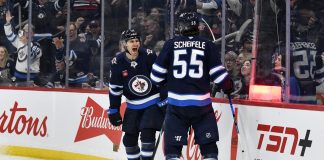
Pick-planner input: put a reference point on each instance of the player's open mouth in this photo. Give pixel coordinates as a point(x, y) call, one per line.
point(134, 49)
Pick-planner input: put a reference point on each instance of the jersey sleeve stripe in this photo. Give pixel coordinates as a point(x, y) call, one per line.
point(220, 78)
point(141, 101)
point(116, 89)
point(115, 86)
point(216, 69)
point(81, 79)
point(12, 37)
point(189, 96)
point(184, 103)
point(119, 93)
point(319, 79)
point(159, 69)
point(156, 79)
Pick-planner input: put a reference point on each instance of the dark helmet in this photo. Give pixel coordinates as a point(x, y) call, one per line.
point(188, 23)
point(129, 34)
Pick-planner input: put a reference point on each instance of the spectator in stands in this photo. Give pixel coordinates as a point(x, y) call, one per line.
point(243, 55)
point(93, 39)
point(20, 42)
point(4, 6)
point(246, 77)
point(153, 32)
point(138, 21)
point(230, 59)
point(158, 14)
point(305, 72)
point(6, 66)
point(79, 56)
point(80, 24)
point(158, 46)
point(43, 12)
point(57, 80)
point(234, 72)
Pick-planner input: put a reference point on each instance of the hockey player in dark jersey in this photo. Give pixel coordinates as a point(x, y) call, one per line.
point(130, 76)
point(305, 72)
point(187, 64)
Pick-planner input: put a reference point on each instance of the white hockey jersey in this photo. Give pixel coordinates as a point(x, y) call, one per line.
point(22, 50)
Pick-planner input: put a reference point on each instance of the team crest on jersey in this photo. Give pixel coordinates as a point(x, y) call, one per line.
point(140, 85)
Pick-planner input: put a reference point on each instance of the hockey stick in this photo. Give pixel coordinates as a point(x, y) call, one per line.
point(233, 113)
point(160, 104)
point(234, 117)
point(237, 35)
point(210, 30)
point(158, 140)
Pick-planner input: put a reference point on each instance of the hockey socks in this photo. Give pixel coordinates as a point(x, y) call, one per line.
point(133, 153)
point(147, 150)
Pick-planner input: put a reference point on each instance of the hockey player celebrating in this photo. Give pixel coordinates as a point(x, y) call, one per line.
point(187, 63)
point(130, 72)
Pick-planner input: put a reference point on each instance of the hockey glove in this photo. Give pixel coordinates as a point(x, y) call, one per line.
point(114, 117)
point(228, 86)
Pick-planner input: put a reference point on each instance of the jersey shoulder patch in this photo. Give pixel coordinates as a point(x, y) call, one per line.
point(149, 51)
point(114, 61)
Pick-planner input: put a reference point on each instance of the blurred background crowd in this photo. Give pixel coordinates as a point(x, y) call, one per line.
point(73, 41)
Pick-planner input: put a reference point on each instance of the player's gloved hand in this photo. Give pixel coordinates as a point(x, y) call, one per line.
point(115, 117)
point(228, 86)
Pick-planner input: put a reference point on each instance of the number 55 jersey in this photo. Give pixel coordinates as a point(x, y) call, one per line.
point(187, 65)
point(305, 73)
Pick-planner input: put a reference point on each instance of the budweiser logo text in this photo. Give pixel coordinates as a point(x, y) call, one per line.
point(95, 122)
point(89, 120)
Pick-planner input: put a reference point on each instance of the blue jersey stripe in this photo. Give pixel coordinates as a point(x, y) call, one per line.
point(184, 103)
point(143, 105)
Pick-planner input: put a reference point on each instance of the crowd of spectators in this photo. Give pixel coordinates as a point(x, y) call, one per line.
point(152, 20)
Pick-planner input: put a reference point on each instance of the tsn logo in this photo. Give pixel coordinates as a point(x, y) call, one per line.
point(279, 137)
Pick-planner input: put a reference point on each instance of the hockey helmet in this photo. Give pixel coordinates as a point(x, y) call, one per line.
point(188, 23)
point(129, 34)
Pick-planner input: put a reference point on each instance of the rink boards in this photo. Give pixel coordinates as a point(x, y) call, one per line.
point(73, 124)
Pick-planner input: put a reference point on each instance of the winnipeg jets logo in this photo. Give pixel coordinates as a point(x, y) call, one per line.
point(140, 85)
point(22, 56)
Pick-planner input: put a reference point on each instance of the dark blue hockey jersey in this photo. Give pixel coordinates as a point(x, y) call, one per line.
point(132, 79)
point(304, 74)
point(188, 64)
